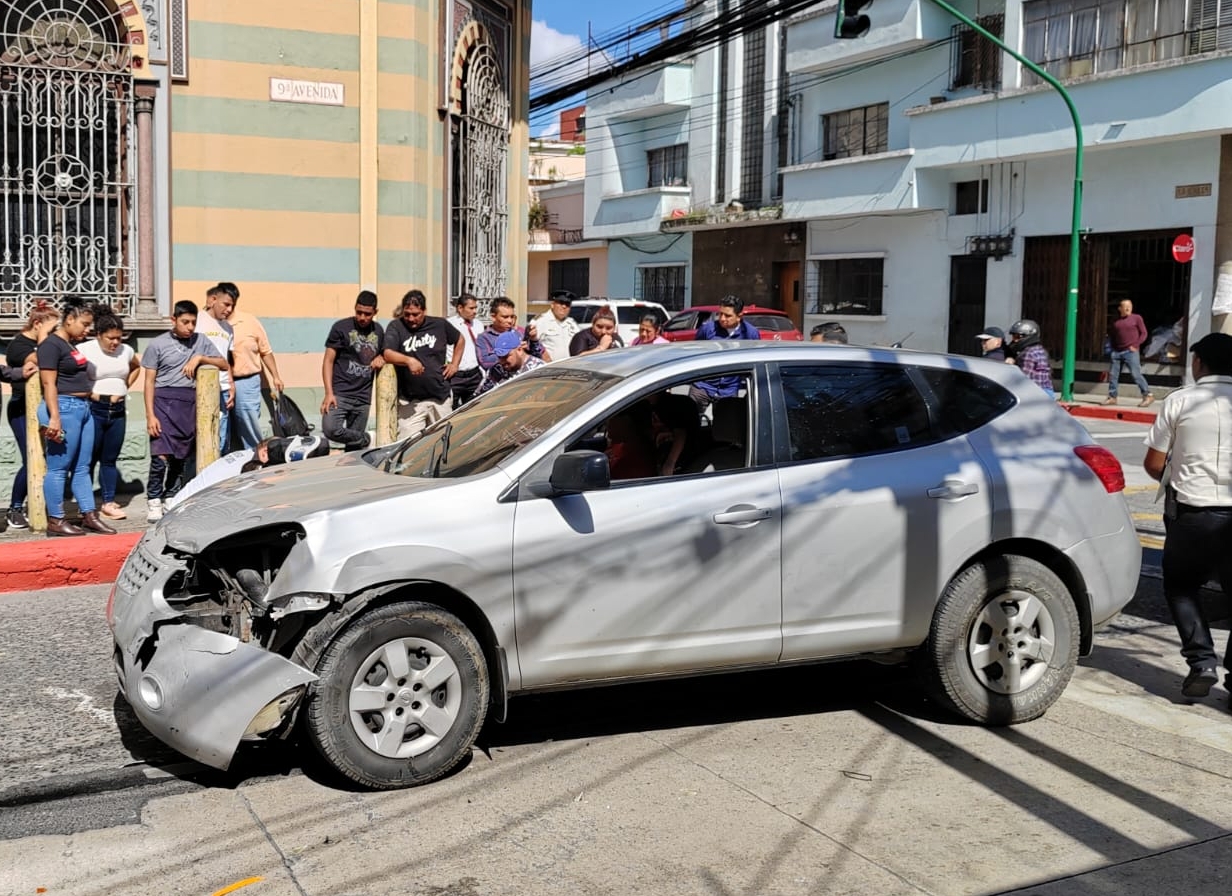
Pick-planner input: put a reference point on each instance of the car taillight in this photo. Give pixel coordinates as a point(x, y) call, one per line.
point(1104, 464)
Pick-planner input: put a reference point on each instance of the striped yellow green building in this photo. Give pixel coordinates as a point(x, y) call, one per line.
point(348, 186)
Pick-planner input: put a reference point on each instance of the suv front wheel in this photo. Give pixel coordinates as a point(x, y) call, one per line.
point(402, 695)
point(1004, 641)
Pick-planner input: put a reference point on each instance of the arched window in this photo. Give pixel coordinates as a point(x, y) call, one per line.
point(66, 172)
point(481, 178)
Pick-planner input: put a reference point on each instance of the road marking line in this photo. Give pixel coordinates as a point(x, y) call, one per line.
point(1139, 489)
point(239, 884)
point(85, 704)
point(1147, 516)
point(1150, 541)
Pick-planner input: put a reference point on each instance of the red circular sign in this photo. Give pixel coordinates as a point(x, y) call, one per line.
point(1183, 248)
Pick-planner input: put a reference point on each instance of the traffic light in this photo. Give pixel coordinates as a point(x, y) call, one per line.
point(849, 22)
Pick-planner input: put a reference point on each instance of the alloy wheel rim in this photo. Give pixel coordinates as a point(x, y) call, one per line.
point(405, 697)
point(1011, 643)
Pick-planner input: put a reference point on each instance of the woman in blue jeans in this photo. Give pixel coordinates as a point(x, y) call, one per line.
point(114, 368)
point(22, 347)
point(67, 425)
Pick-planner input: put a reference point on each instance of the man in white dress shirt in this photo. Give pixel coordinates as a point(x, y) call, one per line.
point(555, 327)
point(469, 378)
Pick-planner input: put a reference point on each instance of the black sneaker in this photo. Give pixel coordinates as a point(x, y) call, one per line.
point(17, 519)
point(1199, 681)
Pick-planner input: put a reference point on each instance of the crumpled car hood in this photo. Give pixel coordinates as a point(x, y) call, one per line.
point(282, 494)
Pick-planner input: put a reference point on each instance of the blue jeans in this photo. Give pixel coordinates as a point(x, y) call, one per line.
point(69, 456)
point(1134, 363)
point(247, 413)
point(20, 483)
point(224, 423)
point(110, 426)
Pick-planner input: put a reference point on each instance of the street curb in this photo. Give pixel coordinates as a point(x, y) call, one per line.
point(64, 562)
point(1110, 412)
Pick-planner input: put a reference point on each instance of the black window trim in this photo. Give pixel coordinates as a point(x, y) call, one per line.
point(782, 434)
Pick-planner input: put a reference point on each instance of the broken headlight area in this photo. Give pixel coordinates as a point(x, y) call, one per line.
point(226, 588)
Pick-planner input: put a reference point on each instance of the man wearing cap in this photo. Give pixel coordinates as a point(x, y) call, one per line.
point(1188, 451)
point(555, 327)
point(992, 343)
point(512, 359)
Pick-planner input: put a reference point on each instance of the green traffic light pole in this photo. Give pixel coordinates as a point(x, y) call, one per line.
point(1071, 305)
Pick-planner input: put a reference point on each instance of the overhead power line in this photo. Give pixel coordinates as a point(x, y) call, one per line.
point(747, 18)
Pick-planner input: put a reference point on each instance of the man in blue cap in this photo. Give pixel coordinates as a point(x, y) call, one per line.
point(512, 359)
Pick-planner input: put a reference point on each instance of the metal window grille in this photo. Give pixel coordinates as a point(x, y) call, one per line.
point(480, 188)
point(855, 132)
point(752, 149)
point(845, 286)
point(976, 61)
point(663, 284)
point(1074, 38)
point(66, 178)
point(669, 166)
point(572, 274)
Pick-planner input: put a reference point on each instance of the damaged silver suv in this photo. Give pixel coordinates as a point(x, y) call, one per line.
point(589, 523)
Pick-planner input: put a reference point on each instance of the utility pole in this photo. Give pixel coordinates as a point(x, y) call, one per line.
point(850, 23)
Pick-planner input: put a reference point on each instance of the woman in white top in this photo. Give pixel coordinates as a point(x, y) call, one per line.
point(114, 367)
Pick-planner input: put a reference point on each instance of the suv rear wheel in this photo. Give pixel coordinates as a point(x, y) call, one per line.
point(1004, 641)
point(402, 695)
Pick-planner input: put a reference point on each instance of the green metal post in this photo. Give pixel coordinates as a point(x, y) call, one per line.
point(1071, 306)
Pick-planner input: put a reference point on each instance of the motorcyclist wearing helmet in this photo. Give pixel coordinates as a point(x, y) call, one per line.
point(1030, 356)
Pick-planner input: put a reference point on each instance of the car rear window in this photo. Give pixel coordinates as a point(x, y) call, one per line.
point(682, 322)
point(773, 323)
point(633, 314)
point(583, 313)
point(836, 410)
point(965, 401)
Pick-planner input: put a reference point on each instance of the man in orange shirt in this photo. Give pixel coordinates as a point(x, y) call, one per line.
point(252, 354)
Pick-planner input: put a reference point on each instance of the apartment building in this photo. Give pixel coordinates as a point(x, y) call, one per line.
point(934, 174)
point(682, 177)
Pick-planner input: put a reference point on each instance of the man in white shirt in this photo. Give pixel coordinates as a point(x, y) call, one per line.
point(213, 324)
point(1191, 442)
point(469, 378)
point(555, 327)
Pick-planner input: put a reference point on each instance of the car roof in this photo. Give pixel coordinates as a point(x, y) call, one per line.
point(625, 362)
point(748, 309)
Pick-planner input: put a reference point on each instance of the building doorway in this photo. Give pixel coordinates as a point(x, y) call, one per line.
point(1135, 265)
point(968, 289)
point(787, 291)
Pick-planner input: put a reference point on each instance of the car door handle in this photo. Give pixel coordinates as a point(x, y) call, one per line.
point(954, 488)
point(736, 515)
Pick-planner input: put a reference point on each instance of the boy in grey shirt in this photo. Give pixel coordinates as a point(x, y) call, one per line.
point(171, 363)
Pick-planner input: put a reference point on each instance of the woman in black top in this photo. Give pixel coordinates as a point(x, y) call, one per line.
point(43, 319)
point(69, 427)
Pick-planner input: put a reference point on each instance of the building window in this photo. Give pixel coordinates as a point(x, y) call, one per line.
point(663, 284)
point(855, 132)
point(977, 60)
point(1073, 38)
point(971, 197)
point(753, 136)
point(69, 175)
point(845, 285)
point(669, 166)
point(572, 274)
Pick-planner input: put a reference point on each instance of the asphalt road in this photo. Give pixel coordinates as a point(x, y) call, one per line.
point(840, 778)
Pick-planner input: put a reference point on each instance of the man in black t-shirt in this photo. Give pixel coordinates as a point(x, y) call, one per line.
point(416, 343)
point(353, 355)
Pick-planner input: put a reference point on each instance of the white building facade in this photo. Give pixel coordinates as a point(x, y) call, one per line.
point(668, 147)
point(934, 175)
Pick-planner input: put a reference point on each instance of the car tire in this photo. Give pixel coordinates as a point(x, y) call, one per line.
point(1004, 641)
point(402, 695)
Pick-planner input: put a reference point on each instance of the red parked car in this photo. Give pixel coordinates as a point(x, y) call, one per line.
point(770, 322)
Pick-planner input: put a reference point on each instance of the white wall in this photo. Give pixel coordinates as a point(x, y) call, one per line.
point(622, 262)
point(1126, 189)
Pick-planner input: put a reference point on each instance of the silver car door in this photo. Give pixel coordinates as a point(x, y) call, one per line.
point(650, 576)
point(878, 509)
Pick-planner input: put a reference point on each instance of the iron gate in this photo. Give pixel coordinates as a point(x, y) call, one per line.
point(481, 187)
point(66, 107)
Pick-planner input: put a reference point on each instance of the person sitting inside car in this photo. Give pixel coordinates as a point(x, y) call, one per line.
point(630, 452)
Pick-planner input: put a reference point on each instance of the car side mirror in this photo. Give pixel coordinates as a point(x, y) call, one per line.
point(580, 471)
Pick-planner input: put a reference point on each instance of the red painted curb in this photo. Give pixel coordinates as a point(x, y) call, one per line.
point(1110, 412)
point(64, 562)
